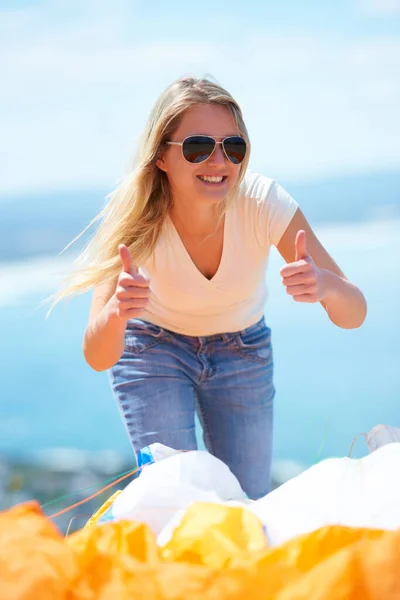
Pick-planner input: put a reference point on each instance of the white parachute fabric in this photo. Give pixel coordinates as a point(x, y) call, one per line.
point(352, 492)
point(380, 435)
point(168, 485)
point(345, 491)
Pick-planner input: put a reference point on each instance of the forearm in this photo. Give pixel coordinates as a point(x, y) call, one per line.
point(344, 303)
point(103, 342)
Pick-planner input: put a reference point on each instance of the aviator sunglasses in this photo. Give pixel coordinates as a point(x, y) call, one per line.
point(198, 148)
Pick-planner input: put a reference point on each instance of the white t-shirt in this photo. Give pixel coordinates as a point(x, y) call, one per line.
point(184, 301)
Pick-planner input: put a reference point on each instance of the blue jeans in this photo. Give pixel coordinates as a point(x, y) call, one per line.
point(164, 378)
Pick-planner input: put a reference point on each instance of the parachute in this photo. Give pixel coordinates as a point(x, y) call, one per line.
point(184, 529)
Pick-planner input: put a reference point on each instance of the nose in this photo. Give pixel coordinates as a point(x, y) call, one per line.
point(218, 156)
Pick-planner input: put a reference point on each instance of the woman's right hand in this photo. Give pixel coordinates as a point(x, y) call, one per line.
point(132, 291)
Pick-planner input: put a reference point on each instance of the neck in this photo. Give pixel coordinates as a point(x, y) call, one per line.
point(198, 220)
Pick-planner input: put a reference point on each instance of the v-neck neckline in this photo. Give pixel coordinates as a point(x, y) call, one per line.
point(189, 259)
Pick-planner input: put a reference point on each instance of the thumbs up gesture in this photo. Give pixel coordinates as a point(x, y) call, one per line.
point(303, 279)
point(132, 290)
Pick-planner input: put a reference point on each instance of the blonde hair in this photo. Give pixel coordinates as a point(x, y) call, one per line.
point(136, 210)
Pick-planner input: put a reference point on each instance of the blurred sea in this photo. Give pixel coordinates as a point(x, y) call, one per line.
point(331, 383)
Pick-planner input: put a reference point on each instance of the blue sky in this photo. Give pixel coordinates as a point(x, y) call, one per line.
point(318, 83)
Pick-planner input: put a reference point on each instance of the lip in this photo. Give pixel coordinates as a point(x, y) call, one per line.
point(224, 177)
point(214, 186)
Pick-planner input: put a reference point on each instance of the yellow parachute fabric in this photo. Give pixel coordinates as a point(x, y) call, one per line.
point(216, 553)
point(103, 508)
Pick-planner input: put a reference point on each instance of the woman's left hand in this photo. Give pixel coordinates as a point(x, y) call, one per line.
point(303, 280)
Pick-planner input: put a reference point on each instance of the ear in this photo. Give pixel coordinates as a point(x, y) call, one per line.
point(161, 164)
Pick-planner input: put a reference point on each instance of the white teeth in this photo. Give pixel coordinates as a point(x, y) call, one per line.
point(210, 179)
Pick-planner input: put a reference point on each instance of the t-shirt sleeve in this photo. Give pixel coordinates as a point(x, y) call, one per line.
point(275, 210)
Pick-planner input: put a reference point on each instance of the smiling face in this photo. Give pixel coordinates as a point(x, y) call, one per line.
point(186, 179)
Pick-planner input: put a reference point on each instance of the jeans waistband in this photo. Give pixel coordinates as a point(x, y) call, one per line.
point(229, 335)
point(226, 336)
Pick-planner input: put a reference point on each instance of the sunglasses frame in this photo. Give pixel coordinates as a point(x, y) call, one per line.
point(215, 145)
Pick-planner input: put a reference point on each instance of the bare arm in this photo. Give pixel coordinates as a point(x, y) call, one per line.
point(313, 276)
point(113, 304)
point(103, 342)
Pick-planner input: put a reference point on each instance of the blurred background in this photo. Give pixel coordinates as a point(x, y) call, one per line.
point(320, 91)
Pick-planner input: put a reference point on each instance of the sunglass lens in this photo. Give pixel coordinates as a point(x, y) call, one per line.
point(198, 148)
point(235, 149)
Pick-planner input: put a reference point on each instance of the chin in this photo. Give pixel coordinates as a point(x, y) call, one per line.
point(212, 198)
point(213, 195)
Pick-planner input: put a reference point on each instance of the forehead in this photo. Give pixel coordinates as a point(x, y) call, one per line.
point(207, 119)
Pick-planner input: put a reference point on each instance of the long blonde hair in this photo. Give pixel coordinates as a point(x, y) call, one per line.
point(136, 210)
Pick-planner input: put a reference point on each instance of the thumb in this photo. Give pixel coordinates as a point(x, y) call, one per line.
point(126, 259)
point(301, 245)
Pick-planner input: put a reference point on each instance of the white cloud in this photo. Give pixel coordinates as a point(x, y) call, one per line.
point(32, 278)
point(76, 92)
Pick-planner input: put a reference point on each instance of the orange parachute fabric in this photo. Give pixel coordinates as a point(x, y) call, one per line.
point(216, 553)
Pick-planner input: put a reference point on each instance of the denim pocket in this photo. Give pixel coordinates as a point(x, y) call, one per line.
point(140, 336)
point(255, 344)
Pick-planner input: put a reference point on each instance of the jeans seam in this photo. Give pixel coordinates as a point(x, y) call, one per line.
point(235, 348)
point(255, 359)
point(205, 426)
point(260, 326)
point(157, 339)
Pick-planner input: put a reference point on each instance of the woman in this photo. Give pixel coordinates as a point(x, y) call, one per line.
point(178, 265)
